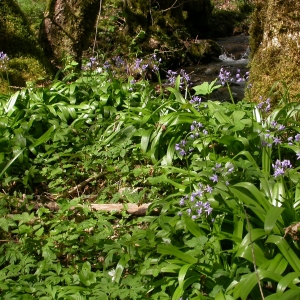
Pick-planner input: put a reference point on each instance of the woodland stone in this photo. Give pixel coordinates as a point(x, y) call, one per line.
point(203, 51)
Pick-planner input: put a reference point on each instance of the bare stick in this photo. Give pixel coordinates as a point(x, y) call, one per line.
point(79, 186)
point(96, 31)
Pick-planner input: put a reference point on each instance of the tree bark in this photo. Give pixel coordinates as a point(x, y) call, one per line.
point(67, 27)
point(275, 46)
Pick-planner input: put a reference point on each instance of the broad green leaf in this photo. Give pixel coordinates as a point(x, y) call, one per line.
point(5, 223)
point(251, 250)
point(182, 273)
point(11, 162)
point(181, 288)
point(293, 294)
point(252, 195)
point(42, 139)
point(146, 134)
point(120, 266)
point(287, 281)
point(87, 277)
point(286, 251)
point(278, 193)
point(193, 227)
point(249, 281)
point(278, 264)
point(172, 250)
point(11, 103)
point(271, 218)
point(178, 96)
point(218, 113)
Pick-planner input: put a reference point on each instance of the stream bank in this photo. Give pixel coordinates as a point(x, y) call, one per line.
point(235, 56)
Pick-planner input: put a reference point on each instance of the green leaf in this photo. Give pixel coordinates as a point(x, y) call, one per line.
point(271, 218)
point(287, 281)
point(172, 250)
point(19, 152)
point(218, 113)
point(181, 288)
point(249, 281)
point(192, 227)
point(146, 134)
point(120, 267)
point(182, 273)
point(42, 139)
point(247, 253)
point(11, 103)
point(86, 276)
point(293, 294)
point(286, 251)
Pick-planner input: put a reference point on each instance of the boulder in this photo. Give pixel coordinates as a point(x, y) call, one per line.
point(203, 51)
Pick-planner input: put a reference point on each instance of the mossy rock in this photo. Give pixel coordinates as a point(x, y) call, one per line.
point(204, 51)
point(27, 62)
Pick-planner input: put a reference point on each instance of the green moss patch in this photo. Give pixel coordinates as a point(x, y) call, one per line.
point(27, 62)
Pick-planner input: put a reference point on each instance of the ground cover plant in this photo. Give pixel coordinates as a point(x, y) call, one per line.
point(221, 178)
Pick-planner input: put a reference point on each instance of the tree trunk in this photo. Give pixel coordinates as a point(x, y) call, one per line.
point(275, 46)
point(67, 27)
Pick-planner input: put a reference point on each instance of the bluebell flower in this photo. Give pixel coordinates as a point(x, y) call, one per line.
point(185, 76)
point(264, 106)
point(276, 140)
point(3, 60)
point(171, 77)
point(224, 76)
point(137, 64)
point(209, 189)
point(106, 65)
point(155, 68)
point(119, 62)
point(280, 167)
point(144, 67)
point(214, 178)
point(297, 137)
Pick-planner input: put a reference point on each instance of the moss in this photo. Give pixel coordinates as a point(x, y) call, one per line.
point(275, 50)
point(18, 42)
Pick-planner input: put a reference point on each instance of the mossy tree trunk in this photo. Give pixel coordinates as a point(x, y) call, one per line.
point(275, 46)
point(67, 27)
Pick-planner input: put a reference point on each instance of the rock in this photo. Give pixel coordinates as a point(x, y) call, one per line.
point(203, 51)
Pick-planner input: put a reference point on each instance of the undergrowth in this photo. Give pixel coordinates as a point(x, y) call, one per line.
point(221, 181)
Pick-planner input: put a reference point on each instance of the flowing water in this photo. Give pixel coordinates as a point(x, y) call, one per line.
point(235, 56)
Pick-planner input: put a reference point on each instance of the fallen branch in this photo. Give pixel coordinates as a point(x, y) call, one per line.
point(132, 209)
point(79, 186)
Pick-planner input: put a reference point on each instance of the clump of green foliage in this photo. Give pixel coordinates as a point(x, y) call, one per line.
point(222, 181)
point(34, 12)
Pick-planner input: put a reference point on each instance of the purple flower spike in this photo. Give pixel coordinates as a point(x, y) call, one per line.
point(214, 178)
point(280, 167)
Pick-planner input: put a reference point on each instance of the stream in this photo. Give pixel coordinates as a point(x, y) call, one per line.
point(235, 56)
